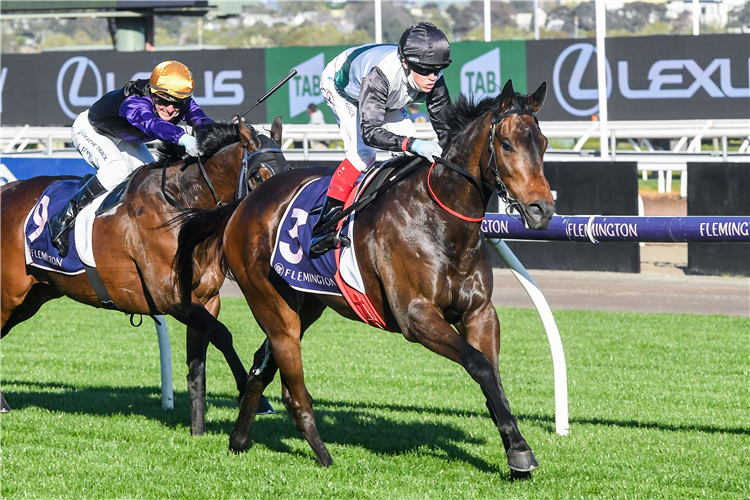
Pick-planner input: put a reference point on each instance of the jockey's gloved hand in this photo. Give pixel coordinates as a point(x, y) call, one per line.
point(428, 149)
point(190, 144)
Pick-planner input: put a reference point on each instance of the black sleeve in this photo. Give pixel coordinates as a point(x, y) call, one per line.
point(372, 98)
point(438, 106)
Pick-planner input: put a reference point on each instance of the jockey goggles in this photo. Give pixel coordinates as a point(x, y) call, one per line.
point(163, 101)
point(424, 70)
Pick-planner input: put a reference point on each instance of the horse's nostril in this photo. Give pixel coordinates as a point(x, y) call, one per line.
point(534, 210)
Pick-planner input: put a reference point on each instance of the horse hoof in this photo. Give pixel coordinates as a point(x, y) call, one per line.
point(238, 445)
point(519, 476)
point(325, 461)
point(522, 461)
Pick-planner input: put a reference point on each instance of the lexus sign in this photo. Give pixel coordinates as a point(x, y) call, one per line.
point(53, 88)
point(656, 77)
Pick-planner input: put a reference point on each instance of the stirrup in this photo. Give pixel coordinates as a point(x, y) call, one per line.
point(331, 239)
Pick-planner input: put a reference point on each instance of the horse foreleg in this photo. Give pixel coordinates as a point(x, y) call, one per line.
point(197, 345)
point(479, 359)
point(482, 330)
point(198, 317)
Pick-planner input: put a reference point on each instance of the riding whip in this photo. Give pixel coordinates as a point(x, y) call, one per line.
point(267, 94)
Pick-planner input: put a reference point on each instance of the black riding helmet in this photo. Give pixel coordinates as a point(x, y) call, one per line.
point(425, 48)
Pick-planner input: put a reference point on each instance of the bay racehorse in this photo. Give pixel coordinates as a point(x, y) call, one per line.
point(134, 248)
point(424, 260)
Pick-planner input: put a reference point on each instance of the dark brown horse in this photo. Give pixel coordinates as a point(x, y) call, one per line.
point(425, 263)
point(134, 248)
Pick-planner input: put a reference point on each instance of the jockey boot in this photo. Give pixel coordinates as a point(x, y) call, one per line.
point(341, 186)
point(322, 241)
point(61, 223)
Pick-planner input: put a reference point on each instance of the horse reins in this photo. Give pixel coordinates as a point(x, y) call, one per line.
point(500, 188)
point(243, 175)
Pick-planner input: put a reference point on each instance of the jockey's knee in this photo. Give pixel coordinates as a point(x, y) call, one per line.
point(111, 175)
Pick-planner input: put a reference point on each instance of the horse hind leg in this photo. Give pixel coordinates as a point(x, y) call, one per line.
point(34, 299)
point(287, 357)
point(261, 374)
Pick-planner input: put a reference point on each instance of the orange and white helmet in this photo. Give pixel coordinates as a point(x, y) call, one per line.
point(172, 79)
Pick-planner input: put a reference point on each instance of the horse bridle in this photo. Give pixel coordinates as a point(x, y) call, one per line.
point(500, 188)
point(503, 192)
point(274, 167)
point(245, 174)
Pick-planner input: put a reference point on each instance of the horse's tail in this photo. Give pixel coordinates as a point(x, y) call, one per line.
point(199, 227)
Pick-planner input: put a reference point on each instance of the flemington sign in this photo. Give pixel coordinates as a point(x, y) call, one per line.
point(602, 228)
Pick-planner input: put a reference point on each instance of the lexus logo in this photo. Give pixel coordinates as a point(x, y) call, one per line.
point(231, 93)
point(74, 97)
point(574, 90)
point(666, 79)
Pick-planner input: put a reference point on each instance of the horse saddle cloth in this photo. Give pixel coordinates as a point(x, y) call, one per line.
point(291, 257)
point(38, 243)
point(336, 272)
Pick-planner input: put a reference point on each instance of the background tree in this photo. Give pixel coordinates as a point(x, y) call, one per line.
point(635, 16)
point(395, 19)
point(739, 16)
point(472, 17)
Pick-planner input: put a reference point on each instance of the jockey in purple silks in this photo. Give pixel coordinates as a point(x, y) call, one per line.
point(111, 135)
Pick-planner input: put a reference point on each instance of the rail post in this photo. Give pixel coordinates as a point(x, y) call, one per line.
point(562, 426)
point(165, 356)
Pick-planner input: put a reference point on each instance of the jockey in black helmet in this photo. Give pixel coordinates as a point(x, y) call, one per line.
point(367, 88)
point(111, 135)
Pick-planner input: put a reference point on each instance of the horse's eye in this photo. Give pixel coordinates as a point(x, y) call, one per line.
point(257, 177)
point(507, 146)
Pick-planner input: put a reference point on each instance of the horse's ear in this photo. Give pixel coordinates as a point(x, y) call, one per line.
point(537, 98)
point(506, 96)
point(276, 130)
point(248, 137)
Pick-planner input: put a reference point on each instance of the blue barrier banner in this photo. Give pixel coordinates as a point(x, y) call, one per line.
point(600, 229)
point(25, 168)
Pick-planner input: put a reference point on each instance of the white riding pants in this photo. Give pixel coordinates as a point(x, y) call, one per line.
point(358, 153)
point(112, 157)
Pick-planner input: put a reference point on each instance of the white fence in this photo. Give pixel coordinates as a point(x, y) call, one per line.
point(321, 143)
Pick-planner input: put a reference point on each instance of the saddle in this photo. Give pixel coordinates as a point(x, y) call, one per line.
point(116, 197)
point(374, 184)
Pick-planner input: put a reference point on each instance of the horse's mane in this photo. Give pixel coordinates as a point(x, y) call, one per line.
point(466, 109)
point(216, 135)
point(211, 137)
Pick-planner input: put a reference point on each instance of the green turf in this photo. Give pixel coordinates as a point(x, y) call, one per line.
point(659, 408)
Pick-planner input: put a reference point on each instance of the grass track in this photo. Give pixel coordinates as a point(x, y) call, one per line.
point(659, 408)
